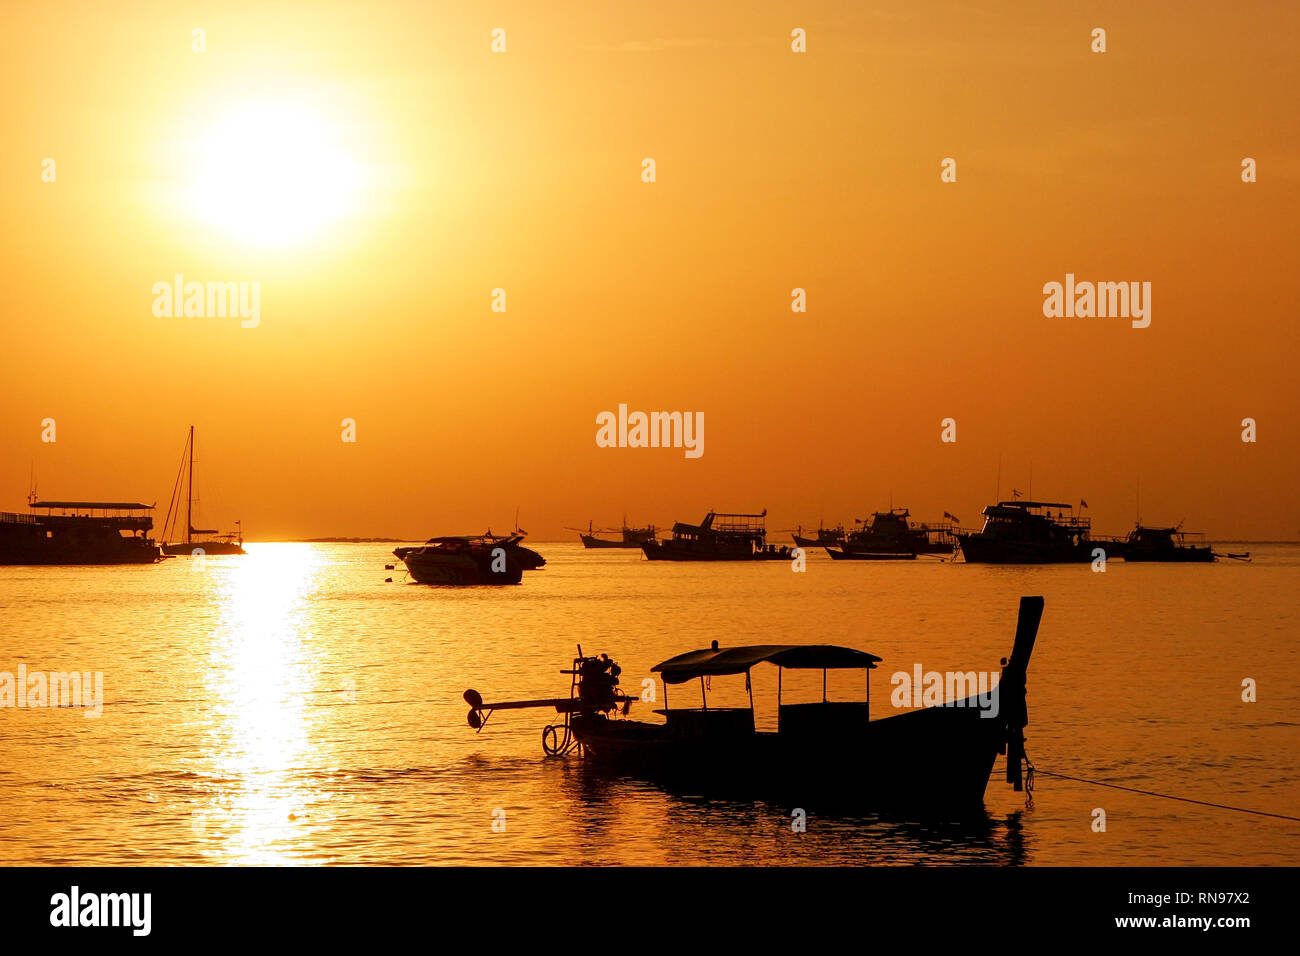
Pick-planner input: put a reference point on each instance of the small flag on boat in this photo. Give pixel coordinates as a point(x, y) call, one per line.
point(1082, 503)
point(950, 516)
point(1015, 492)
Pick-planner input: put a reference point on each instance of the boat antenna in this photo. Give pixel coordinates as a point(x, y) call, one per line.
point(31, 486)
point(998, 494)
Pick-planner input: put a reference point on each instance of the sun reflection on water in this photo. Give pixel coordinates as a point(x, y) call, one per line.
point(262, 674)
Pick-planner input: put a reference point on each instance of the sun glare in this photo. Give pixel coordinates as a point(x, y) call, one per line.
point(273, 173)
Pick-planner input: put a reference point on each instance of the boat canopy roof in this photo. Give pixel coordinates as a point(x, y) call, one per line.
point(737, 660)
point(1022, 503)
point(107, 505)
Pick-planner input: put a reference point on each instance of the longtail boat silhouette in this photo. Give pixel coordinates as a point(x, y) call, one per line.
point(825, 537)
point(844, 554)
point(629, 537)
point(827, 751)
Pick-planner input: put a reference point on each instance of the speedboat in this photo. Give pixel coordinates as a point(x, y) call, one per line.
point(464, 560)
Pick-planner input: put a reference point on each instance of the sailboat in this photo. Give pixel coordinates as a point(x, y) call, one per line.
point(194, 542)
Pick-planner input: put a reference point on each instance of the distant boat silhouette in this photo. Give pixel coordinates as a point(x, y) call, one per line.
point(825, 537)
point(230, 543)
point(1026, 532)
point(827, 751)
point(1164, 544)
point(630, 537)
point(889, 534)
point(719, 537)
point(844, 554)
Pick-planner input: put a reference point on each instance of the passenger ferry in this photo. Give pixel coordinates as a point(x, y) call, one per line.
point(82, 532)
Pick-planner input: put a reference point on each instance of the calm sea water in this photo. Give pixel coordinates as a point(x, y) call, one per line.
point(290, 707)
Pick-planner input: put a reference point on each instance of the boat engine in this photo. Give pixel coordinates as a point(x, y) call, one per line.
point(593, 691)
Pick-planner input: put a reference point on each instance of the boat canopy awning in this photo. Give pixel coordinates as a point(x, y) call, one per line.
point(106, 505)
point(737, 660)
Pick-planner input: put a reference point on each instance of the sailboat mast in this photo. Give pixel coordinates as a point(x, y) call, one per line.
point(189, 491)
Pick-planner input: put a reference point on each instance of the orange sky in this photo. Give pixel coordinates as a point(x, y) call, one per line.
point(468, 171)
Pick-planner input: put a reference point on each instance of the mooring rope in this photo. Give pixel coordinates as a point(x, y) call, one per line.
point(1166, 796)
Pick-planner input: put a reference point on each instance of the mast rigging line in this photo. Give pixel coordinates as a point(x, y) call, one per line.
point(174, 502)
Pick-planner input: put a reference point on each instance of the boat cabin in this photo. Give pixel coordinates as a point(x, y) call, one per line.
point(1022, 518)
point(108, 516)
point(1163, 539)
point(723, 531)
point(793, 719)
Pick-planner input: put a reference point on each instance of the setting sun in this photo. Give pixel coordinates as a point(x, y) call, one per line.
point(272, 173)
